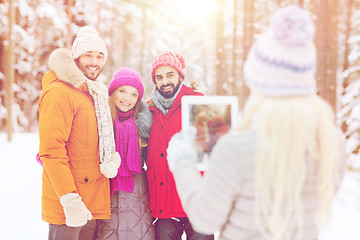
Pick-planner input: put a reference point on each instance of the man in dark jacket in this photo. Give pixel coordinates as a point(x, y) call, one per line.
point(167, 75)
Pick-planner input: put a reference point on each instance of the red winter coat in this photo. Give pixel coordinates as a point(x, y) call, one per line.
point(164, 199)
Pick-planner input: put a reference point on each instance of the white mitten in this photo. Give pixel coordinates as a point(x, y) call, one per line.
point(110, 169)
point(181, 146)
point(75, 210)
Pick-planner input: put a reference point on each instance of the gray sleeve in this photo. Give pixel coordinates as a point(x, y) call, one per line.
point(208, 200)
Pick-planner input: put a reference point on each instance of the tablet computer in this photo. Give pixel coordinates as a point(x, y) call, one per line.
point(212, 116)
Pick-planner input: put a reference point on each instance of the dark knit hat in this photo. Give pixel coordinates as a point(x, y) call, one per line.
point(168, 59)
point(126, 76)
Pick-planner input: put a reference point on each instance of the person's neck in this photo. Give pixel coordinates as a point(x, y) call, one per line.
point(122, 116)
point(162, 103)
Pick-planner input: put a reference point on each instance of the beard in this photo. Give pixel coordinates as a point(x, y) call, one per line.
point(169, 93)
point(91, 75)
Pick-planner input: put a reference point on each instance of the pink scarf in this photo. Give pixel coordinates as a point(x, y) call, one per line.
point(127, 145)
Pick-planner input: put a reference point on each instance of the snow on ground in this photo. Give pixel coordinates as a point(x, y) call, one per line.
point(20, 195)
point(20, 192)
point(344, 224)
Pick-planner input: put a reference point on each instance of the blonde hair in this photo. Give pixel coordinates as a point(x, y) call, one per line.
point(291, 133)
point(113, 107)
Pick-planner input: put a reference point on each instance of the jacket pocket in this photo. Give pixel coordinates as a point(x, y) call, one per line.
point(94, 189)
point(85, 176)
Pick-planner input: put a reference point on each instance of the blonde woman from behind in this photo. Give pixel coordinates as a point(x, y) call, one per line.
point(275, 176)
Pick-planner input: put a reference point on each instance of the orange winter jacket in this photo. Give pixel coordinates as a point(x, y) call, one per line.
point(69, 146)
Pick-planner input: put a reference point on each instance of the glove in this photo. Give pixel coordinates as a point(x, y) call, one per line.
point(110, 169)
point(181, 146)
point(38, 159)
point(75, 210)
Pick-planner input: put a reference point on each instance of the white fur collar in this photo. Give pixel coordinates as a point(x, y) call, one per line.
point(65, 68)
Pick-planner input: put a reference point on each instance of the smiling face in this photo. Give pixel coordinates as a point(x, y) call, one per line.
point(167, 80)
point(125, 97)
point(91, 64)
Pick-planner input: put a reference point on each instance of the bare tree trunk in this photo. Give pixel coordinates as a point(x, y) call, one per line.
point(350, 4)
point(126, 38)
point(326, 43)
point(220, 49)
point(143, 37)
point(10, 72)
point(236, 54)
point(249, 31)
point(70, 3)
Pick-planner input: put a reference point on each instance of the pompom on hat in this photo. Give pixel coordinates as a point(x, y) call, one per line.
point(126, 76)
point(88, 39)
point(168, 59)
point(282, 62)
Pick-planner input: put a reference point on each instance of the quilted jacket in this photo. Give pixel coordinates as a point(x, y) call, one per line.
point(130, 214)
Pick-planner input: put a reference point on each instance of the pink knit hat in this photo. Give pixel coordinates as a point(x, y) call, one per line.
point(126, 76)
point(168, 59)
point(88, 39)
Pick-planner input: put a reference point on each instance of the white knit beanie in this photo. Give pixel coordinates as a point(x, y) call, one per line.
point(282, 61)
point(88, 39)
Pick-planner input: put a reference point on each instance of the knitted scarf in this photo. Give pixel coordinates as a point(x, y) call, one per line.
point(162, 103)
point(127, 145)
point(109, 158)
point(105, 127)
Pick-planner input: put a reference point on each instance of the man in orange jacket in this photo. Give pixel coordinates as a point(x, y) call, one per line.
point(76, 139)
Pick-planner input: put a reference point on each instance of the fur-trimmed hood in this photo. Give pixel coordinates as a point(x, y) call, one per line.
point(62, 64)
point(65, 68)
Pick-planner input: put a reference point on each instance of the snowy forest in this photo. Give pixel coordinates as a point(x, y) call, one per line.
point(214, 36)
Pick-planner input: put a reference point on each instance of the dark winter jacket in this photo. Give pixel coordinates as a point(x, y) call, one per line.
point(164, 199)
